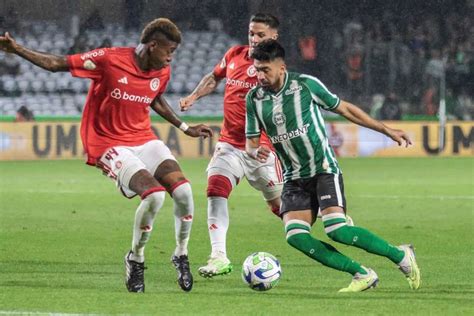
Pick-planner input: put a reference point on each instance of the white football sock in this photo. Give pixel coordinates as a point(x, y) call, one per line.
point(183, 217)
point(217, 223)
point(144, 218)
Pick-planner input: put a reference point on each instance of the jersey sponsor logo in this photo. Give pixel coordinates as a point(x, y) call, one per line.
point(93, 54)
point(116, 94)
point(294, 86)
point(89, 65)
point(119, 95)
point(325, 197)
point(279, 118)
point(240, 83)
point(154, 84)
point(290, 135)
point(123, 80)
point(251, 71)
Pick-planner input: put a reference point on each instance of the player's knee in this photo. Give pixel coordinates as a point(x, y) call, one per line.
point(340, 234)
point(274, 206)
point(181, 190)
point(297, 233)
point(155, 196)
point(218, 186)
point(298, 240)
point(183, 196)
point(335, 226)
point(276, 210)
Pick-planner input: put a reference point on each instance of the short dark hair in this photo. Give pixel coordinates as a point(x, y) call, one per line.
point(161, 26)
point(267, 19)
point(268, 50)
point(26, 113)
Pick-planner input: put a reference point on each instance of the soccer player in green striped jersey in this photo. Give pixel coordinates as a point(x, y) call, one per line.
point(287, 107)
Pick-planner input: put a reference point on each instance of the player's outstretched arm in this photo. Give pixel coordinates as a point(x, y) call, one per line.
point(162, 107)
point(46, 61)
point(206, 86)
point(358, 116)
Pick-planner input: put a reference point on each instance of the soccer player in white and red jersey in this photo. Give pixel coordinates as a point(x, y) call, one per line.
point(117, 136)
point(230, 164)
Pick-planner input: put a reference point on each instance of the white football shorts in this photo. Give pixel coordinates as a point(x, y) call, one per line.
point(235, 164)
point(120, 163)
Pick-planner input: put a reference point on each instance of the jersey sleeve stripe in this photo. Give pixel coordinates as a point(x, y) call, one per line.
point(319, 83)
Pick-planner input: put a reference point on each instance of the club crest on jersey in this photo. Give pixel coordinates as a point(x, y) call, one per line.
point(154, 84)
point(251, 71)
point(89, 65)
point(279, 118)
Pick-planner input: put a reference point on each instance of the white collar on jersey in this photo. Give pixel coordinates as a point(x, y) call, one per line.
point(282, 88)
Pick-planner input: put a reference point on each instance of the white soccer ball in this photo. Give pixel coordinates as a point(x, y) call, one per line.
point(261, 271)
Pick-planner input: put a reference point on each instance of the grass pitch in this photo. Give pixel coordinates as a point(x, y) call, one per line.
point(64, 230)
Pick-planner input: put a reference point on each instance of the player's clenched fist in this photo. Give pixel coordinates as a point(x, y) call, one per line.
point(186, 102)
point(7, 43)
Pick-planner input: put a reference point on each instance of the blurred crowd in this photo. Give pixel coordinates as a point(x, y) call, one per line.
point(390, 63)
point(397, 65)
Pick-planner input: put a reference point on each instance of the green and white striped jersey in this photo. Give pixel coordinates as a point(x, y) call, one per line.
point(292, 119)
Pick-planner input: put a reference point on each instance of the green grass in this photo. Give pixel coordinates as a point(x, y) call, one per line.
point(64, 230)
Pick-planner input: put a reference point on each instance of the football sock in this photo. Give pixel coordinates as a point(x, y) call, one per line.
point(217, 223)
point(298, 235)
point(337, 229)
point(183, 216)
point(144, 218)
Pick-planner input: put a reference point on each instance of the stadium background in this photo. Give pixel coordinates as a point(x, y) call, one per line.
point(389, 58)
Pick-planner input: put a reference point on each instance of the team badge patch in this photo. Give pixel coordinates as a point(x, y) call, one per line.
point(279, 118)
point(89, 65)
point(155, 84)
point(251, 71)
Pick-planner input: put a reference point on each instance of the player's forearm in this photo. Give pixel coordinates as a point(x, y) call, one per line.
point(44, 60)
point(359, 117)
point(162, 108)
point(206, 86)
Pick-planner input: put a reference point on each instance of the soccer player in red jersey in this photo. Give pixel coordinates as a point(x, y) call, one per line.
point(117, 136)
point(230, 163)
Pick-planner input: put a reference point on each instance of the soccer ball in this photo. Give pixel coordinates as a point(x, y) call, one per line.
point(261, 271)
